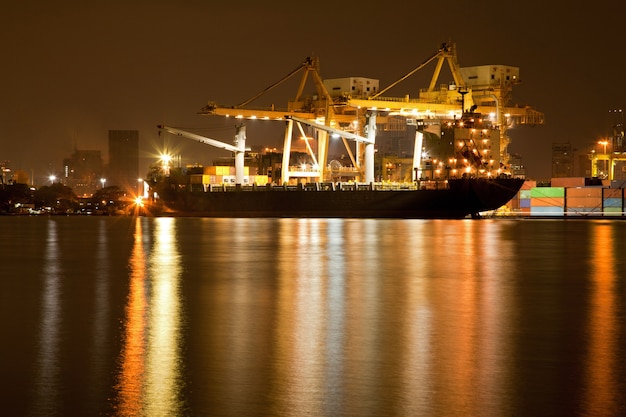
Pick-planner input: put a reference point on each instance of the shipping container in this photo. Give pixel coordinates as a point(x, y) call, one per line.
point(595, 192)
point(513, 204)
point(547, 192)
point(612, 193)
point(547, 202)
point(524, 194)
point(612, 202)
point(589, 202)
point(219, 170)
point(618, 184)
point(524, 202)
point(583, 210)
point(546, 211)
point(568, 182)
point(528, 184)
point(613, 211)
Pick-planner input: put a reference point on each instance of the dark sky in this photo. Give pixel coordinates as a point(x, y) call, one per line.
point(72, 70)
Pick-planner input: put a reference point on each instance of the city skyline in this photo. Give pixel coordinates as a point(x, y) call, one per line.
point(79, 71)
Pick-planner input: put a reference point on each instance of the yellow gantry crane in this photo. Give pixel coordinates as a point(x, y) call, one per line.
point(320, 110)
point(484, 90)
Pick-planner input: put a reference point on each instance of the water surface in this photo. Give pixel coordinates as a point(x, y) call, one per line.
point(123, 316)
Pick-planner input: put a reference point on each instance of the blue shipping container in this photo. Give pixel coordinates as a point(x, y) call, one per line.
point(612, 202)
point(546, 211)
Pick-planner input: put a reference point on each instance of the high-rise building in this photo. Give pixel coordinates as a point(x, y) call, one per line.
point(123, 169)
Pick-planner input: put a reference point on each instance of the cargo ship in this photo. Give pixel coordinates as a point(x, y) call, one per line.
point(450, 199)
point(454, 146)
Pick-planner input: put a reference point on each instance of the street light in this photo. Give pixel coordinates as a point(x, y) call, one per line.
point(52, 178)
point(603, 143)
point(102, 181)
point(166, 159)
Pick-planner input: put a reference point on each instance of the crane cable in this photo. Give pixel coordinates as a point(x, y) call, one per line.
point(286, 77)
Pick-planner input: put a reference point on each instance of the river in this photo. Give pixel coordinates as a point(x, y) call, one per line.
point(123, 316)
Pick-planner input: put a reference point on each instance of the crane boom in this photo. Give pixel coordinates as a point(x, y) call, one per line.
point(239, 150)
point(201, 139)
point(339, 132)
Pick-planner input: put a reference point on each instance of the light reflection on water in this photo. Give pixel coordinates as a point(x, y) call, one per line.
point(600, 393)
point(102, 299)
point(133, 356)
point(48, 371)
point(150, 381)
point(324, 317)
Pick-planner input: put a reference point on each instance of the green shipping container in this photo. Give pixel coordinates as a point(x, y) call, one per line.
point(612, 211)
point(547, 192)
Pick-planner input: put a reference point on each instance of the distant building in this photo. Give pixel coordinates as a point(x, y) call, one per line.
point(82, 171)
point(562, 160)
point(123, 169)
point(516, 166)
point(581, 164)
point(569, 162)
point(5, 172)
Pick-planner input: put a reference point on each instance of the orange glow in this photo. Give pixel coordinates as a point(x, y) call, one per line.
point(162, 358)
point(149, 361)
point(301, 322)
point(133, 352)
point(601, 391)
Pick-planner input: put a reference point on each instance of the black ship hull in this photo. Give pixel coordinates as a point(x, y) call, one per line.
point(458, 199)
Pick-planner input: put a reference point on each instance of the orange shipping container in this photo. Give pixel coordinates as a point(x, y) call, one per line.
point(583, 202)
point(568, 182)
point(594, 192)
point(547, 202)
point(612, 192)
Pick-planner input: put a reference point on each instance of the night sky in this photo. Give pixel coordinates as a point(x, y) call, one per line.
point(73, 70)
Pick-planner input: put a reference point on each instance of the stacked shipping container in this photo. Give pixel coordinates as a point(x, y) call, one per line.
point(547, 201)
point(570, 197)
point(613, 201)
